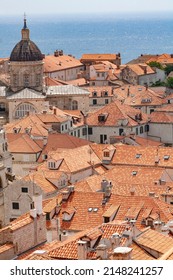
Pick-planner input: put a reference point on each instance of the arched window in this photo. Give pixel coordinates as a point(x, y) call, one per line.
point(23, 110)
point(74, 105)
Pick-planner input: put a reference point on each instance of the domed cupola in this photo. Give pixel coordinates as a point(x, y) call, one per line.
point(26, 64)
point(26, 50)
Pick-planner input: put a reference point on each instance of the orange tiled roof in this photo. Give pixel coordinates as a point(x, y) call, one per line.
point(143, 156)
point(138, 69)
point(98, 57)
point(20, 222)
point(73, 162)
point(57, 63)
point(136, 96)
point(100, 91)
point(156, 241)
point(161, 117)
point(65, 141)
point(23, 144)
point(6, 247)
point(139, 253)
point(41, 181)
point(32, 121)
point(90, 211)
point(115, 112)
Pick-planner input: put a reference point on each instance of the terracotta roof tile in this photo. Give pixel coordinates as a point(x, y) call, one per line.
point(23, 144)
point(57, 63)
point(115, 112)
point(155, 241)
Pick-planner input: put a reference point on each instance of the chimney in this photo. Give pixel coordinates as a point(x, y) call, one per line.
point(103, 185)
point(54, 111)
point(82, 250)
point(133, 227)
point(44, 140)
point(170, 225)
point(132, 190)
point(37, 198)
point(165, 230)
point(158, 225)
point(101, 251)
point(122, 253)
point(115, 240)
point(151, 194)
point(33, 213)
point(128, 235)
point(66, 193)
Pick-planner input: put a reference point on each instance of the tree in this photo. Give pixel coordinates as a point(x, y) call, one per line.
point(156, 64)
point(170, 82)
point(168, 69)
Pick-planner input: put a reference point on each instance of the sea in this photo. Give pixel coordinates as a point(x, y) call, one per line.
point(130, 35)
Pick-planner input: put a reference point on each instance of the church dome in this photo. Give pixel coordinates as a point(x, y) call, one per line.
point(26, 50)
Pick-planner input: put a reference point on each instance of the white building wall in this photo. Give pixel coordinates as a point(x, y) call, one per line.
point(112, 131)
point(75, 177)
point(162, 132)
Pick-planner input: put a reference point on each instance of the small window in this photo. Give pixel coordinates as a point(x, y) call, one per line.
point(24, 190)
point(32, 205)
point(106, 154)
point(90, 209)
point(137, 131)
point(95, 210)
point(78, 133)
point(44, 156)
point(15, 205)
point(146, 128)
point(66, 126)
point(134, 173)
point(141, 130)
point(52, 165)
point(106, 101)
point(94, 101)
point(47, 216)
point(106, 220)
point(90, 130)
point(84, 131)
point(62, 127)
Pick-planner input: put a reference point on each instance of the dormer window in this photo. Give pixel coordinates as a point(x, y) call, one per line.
point(102, 117)
point(52, 165)
point(134, 173)
point(106, 154)
point(16, 130)
point(94, 93)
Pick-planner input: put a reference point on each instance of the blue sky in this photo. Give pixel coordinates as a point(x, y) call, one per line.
point(16, 7)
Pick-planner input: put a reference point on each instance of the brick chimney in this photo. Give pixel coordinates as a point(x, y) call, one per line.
point(122, 253)
point(82, 250)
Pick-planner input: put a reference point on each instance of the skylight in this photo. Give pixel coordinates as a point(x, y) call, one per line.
point(138, 155)
point(166, 157)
